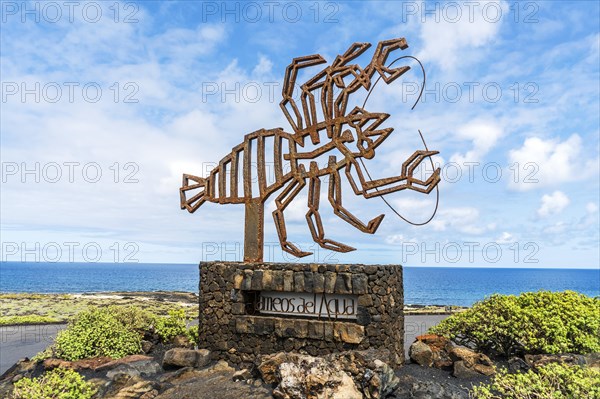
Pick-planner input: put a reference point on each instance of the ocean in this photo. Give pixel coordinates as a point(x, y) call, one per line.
point(422, 285)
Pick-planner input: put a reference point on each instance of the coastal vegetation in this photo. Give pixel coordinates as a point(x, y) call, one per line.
point(28, 319)
point(28, 308)
point(505, 326)
point(101, 332)
point(556, 381)
point(533, 322)
point(116, 331)
point(54, 384)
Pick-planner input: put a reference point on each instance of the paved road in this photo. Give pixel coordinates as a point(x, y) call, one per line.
point(416, 325)
point(17, 342)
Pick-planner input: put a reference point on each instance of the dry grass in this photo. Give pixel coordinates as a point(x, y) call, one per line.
point(24, 308)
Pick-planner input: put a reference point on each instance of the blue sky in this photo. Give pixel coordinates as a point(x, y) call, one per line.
point(106, 104)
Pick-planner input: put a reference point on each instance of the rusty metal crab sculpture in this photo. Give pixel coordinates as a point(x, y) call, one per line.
point(354, 134)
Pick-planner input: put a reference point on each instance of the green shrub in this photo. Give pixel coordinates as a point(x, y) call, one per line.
point(533, 322)
point(43, 355)
point(553, 381)
point(27, 319)
point(115, 331)
point(55, 384)
point(97, 332)
point(172, 325)
point(193, 334)
point(134, 318)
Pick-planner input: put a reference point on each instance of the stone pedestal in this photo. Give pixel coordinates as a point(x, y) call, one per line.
point(251, 309)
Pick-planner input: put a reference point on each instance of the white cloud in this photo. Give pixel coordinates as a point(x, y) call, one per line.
point(412, 208)
point(543, 163)
point(462, 219)
point(188, 43)
point(395, 239)
point(553, 204)
point(590, 219)
point(482, 134)
point(264, 66)
point(448, 39)
point(556, 228)
point(505, 238)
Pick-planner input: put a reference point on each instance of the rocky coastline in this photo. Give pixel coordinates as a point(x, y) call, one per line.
point(436, 367)
point(178, 370)
point(170, 370)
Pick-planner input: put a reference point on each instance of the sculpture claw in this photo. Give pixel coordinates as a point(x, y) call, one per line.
point(294, 250)
point(374, 224)
point(335, 246)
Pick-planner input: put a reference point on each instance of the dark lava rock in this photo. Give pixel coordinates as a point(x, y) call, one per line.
point(182, 357)
point(517, 365)
point(417, 382)
point(421, 354)
point(213, 382)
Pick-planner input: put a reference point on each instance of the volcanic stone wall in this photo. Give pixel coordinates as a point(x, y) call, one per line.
point(231, 329)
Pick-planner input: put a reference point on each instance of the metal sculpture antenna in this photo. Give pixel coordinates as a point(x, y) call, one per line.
point(343, 130)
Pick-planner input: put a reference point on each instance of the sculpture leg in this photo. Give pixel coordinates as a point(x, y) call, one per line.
point(314, 219)
point(335, 199)
point(281, 202)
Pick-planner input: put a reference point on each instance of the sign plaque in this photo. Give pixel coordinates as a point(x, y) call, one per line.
point(305, 304)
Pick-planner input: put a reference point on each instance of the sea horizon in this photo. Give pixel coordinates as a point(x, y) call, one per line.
point(308, 263)
point(423, 285)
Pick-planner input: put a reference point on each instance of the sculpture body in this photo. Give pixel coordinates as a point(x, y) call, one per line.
point(331, 129)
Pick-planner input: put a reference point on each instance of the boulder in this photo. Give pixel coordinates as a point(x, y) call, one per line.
point(536, 361)
point(379, 383)
point(469, 359)
point(421, 353)
point(210, 382)
point(53, 363)
point(147, 346)
point(442, 360)
point(592, 360)
point(99, 364)
point(269, 365)
point(440, 346)
point(352, 363)
point(484, 369)
point(517, 365)
point(141, 368)
point(461, 370)
point(348, 374)
point(181, 341)
point(435, 342)
point(182, 357)
point(316, 378)
point(346, 390)
point(221, 366)
point(139, 390)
